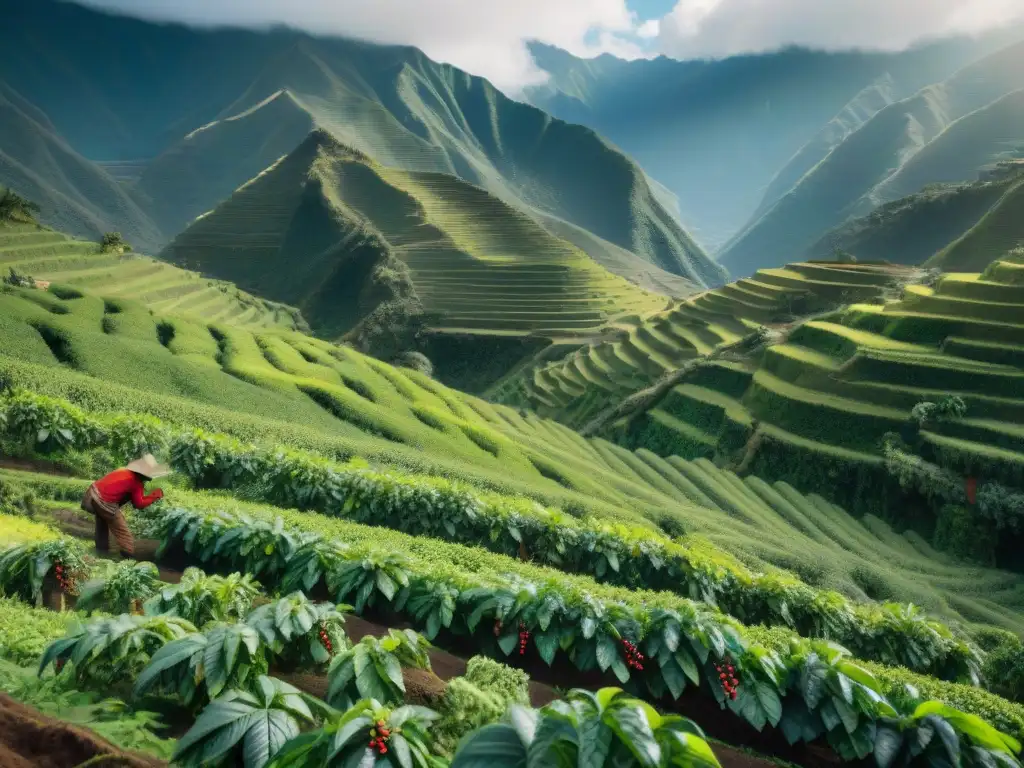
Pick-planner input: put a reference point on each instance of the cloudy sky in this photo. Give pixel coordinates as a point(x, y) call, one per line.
point(487, 37)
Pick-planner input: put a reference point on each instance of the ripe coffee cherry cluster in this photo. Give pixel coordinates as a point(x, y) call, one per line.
point(634, 659)
point(60, 665)
point(325, 639)
point(524, 638)
point(64, 580)
point(727, 677)
point(379, 737)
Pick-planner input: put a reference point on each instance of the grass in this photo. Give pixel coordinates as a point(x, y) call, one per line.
point(52, 256)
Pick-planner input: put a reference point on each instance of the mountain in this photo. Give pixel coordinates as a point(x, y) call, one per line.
point(72, 192)
point(922, 228)
point(351, 242)
point(717, 132)
point(205, 110)
point(946, 132)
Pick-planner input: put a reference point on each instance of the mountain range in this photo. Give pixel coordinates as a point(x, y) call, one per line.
point(170, 121)
point(729, 137)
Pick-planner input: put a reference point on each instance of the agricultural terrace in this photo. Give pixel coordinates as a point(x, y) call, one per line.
point(477, 265)
point(837, 404)
point(332, 403)
point(51, 256)
point(579, 386)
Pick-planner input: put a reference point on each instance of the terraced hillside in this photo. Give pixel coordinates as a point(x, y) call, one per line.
point(52, 256)
point(922, 228)
point(596, 377)
point(320, 228)
point(292, 389)
point(947, 132)
point(817, 407)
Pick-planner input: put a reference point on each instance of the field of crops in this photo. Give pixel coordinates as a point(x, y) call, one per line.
point(340, 404)
point(48, 255)
point(444, 465)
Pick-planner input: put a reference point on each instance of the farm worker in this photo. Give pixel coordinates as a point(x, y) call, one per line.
point(107, 495)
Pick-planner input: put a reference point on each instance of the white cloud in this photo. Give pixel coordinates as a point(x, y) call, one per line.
point(649, 29)
point(715, 28)
point(484, 37)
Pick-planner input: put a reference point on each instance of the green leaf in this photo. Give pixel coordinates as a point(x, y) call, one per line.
point(770, 702)
point(493, 746)
point(633, 729)
point(547, 645)
point(888, 743)
point(607, 652)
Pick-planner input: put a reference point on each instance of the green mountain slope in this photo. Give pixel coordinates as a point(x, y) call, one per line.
point(828, 403)
point(290, 389)
point(336, 234)
point(44, 254)
point(717, 133)
point(73, 193)
point(391, 103)
point(914, 229)
point(1001, 229)
point(906, 145)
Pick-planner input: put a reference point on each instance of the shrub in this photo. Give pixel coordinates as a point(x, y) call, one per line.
point(511, 684)
point(245, 727)
point(200, 599)
point(14, 207)
point(122, 588)
point(372, 668)
point(114, 242)
point(417, 361)
point(24, 568)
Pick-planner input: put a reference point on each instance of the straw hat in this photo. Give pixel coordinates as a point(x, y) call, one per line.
point(147, 467)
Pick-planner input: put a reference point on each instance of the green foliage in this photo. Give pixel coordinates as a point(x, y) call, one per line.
point(1004, 669)
point(606, 728)
point(1001, 506)
point(244, 727)
point(111, 718)
point(960, 533)
point(25, 632)
point(23, 569)
point(367, 733)
point(372, 668)
point(477, 699)
point(132, 436)
point(199, 666)
point(15, 499)
point(201, 599)
point(928, 732)
point(122, 588)
point(511, 684)
point(681, 645)
point(925, 413)
point(114, 242)
point(465, 708)
point(45, 424)
point(299, 631)
point(14, 207)
point(107, 652)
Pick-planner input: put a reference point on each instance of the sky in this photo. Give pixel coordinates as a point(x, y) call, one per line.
point(489, 37)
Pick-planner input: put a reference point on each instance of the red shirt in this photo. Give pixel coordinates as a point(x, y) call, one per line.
point(122, 486)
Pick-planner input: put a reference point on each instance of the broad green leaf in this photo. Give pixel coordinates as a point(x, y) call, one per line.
point(633, 729)
point(888, 743)
point(493, 746)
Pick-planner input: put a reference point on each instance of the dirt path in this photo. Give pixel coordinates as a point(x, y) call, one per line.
point(30, 739)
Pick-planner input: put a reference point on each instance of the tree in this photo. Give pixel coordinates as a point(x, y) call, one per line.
point(113, 241)
point(14, 207)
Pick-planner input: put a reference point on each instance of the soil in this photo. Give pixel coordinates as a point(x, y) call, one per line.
point(30, 739)
point(426, 687)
